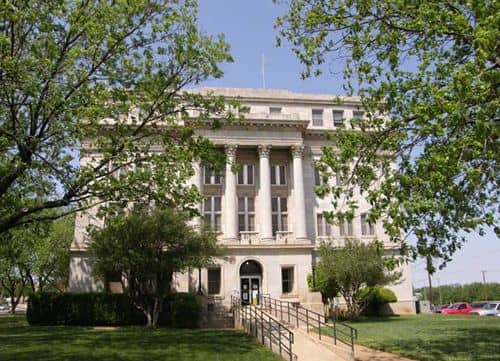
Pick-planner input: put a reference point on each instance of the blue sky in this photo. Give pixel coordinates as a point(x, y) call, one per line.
point(248, 27)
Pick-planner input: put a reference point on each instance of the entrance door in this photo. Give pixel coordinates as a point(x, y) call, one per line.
point(250, 290)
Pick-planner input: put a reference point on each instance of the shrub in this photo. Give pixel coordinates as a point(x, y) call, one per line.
point(180, 310)
point(374, 297)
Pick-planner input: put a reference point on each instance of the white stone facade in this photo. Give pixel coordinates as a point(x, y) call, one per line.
point(267, 214)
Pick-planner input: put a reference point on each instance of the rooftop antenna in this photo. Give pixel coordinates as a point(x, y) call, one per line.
point(263, 72)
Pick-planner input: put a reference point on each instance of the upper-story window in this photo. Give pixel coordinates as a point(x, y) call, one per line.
point(279, 214)
point(345, 228)
point(274, 110)
point(246, 214)
point(246, 174)
point(367, 228)
point(211, 176)
point(317, 177)
point(212, 212)
point(358, 114)
point(317, 117)
point(338, 118)
point(324, 228)
point(278, 175)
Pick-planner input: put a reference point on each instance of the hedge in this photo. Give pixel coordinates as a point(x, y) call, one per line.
point(180, 310)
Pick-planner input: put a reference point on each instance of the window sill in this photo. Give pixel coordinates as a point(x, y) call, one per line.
point(289, 295)
point(215, 297)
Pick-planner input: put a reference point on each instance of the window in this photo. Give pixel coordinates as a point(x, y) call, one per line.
point(367, 228)
point(324, 228)
point(338, 180)
point(317, 117)
point(345, 228)
point(211, 177)
point(279, 214)
point(338, 118)
point(246, 214)
point(274, 110)
point(212, 212)
point(317, 177)
point(278, 175)
point(246, 174)
point(286, 279)
point(214, 278)
point(358, 114)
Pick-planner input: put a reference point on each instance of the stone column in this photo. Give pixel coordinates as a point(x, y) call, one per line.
point(298, 193)
point(266, 226)
point(230, 211)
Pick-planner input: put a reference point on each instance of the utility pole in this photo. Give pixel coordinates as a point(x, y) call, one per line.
point(430, 270)
point(485, 289)
point(439, 290)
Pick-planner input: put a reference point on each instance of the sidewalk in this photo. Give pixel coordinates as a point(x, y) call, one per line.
point(363, 353)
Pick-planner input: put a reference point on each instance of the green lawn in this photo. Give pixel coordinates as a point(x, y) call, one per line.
point(21, 342)
point(433, 337)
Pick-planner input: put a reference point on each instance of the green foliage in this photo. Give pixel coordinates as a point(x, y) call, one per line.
point(179, 310)
point(374, 297)
point(35, 258)
point(353, 267)
point(324, 284)
point(109, 76)
point(462, 293)
point(425, 155)
point(146, 246)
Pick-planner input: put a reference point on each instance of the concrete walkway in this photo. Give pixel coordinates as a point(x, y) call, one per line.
point(309, 349)
point(363, 353)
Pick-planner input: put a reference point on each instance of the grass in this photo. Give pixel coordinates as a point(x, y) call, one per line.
point(21, 342)
point(433, 337)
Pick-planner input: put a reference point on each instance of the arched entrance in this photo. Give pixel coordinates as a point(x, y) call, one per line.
point(250, 282)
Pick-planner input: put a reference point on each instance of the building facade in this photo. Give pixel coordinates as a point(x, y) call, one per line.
point(267, 215)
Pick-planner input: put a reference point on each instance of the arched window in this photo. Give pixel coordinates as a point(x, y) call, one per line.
point(250, 268)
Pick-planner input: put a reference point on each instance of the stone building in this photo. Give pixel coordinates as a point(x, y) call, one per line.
point(267, 215)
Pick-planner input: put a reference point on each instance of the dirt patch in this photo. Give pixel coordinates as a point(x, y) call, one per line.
point(104, 328)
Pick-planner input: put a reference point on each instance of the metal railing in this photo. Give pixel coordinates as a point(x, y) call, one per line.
point(296, 314)
point(266, 329)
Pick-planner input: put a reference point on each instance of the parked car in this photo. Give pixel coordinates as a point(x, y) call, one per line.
point(479, 304)
point(460, 308)
point(489, 309)
point(4, 307)
point(438, 309)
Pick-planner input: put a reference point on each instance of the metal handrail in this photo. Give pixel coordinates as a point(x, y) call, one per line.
point(263, 327)
point(339, 330)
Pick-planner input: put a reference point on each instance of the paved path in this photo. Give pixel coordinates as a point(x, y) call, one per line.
point(368, 354)
point(308, 349)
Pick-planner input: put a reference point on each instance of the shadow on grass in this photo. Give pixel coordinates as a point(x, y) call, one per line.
point(49, 343)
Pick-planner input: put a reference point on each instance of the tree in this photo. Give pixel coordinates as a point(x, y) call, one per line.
point(104, 81)
point(425, 153)
point(47, 265)
point(322, 282)
point(35, 257)
point(354, 267)
point(146, 247)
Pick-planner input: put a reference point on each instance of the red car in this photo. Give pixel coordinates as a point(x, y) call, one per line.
point(461, 308)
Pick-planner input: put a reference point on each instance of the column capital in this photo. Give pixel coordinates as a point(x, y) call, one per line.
point(231, 150)
point(264, 150)
point(298, 150)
